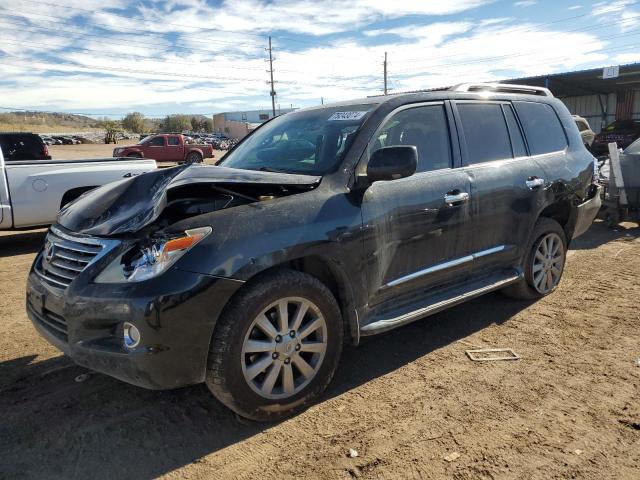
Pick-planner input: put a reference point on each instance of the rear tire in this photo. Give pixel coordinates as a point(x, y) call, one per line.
point(194, 157)
point(543, 263)
point(260, 369)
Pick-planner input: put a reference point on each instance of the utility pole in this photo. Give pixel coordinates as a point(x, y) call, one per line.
point(270, 71)
point(322, 100)
point(385, 73)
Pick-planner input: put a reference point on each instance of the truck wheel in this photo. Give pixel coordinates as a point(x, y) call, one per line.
point(543, 262)
point(194, 157)
point(276, 346)
point(134, 155)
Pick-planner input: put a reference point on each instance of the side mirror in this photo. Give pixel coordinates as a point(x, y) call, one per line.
point(391, 163)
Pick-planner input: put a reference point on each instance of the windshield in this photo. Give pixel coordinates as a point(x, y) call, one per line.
point(634, 148)
point(311, 142)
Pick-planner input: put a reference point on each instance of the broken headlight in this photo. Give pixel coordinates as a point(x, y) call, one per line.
point(152, 259)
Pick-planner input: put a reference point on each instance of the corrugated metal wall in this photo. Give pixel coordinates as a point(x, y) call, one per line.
point(589, 107)
point(636, 105)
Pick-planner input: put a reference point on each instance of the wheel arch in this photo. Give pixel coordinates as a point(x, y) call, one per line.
point(332, 276)
point(562, 212)
point(71, 195)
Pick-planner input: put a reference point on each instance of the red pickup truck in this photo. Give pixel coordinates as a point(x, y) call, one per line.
point(166, 148)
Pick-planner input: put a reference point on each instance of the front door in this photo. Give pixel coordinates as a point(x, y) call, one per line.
point(155, 148)
point(414, 227)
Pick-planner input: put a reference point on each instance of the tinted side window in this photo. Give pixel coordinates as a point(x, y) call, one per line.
point(542, 127)
point(424, 127)
point(517, 142)
point(157, 142)
point(21, 147)
point(485, 132)
point(173, 141)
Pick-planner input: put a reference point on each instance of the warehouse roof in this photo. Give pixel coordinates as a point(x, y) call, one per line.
point(585, 82)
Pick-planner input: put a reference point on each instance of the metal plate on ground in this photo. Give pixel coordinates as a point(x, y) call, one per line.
point(492, 354)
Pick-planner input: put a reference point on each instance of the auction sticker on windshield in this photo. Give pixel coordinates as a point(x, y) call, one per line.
point(347, 115)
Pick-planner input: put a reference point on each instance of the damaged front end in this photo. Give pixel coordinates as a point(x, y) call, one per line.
point(141, 212)
point(168, 195)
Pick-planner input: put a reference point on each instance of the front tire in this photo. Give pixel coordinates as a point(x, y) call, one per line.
point(276, 346)
point(543, 263)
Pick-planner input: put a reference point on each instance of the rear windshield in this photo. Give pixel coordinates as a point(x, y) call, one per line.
point(311, 142)
point(634, 148)
point(21, 146)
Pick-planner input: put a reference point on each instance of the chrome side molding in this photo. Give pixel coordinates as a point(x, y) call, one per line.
point(443, 266)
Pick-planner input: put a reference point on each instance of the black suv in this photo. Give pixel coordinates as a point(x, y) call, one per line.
point(322, 226)
point(23, 146)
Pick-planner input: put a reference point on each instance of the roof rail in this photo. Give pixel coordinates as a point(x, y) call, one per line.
point(502, 88)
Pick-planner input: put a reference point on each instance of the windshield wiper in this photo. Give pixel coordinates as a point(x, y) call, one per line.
point(272, 170)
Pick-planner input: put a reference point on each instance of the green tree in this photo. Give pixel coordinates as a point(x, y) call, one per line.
point(196, 124)
point(176, 123)
point(208, 125)
point(134, 122)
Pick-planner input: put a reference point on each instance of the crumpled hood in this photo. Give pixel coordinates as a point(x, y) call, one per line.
point(130, 204)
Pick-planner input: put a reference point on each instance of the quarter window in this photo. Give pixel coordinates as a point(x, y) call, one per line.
point(485, 132)
point(542, 127)
point(425, 128)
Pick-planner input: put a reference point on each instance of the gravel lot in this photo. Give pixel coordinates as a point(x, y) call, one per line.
point(406, 401)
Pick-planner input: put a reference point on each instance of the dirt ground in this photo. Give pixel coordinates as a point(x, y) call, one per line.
point(102, 150)
point(409, 402)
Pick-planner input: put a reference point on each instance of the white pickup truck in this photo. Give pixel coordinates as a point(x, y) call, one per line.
point(33, 191)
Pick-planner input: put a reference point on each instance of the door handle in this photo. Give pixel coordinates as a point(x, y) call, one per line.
point(534, 182)
point(455, 197)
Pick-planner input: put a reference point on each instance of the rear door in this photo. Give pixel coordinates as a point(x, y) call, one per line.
point(507, 186)
point(414, 237)
point(174, 150)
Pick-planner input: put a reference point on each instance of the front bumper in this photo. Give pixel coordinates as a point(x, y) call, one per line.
point(587, 212)
point(175, 313)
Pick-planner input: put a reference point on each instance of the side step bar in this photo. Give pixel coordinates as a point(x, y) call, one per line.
point(437, 303)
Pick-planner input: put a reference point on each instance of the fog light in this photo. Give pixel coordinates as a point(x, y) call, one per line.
point(131, 335)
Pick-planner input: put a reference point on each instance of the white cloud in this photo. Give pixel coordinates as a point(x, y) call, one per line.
point(119, 65)
point(525, 3)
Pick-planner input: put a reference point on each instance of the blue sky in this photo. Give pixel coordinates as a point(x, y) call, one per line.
point(198, 56)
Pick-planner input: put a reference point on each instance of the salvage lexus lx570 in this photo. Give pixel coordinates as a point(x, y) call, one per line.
point(322, 226)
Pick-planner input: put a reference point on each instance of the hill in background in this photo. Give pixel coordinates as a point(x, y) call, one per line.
point(39, 122)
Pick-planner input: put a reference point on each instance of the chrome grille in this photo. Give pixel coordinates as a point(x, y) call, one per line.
point(65, 256)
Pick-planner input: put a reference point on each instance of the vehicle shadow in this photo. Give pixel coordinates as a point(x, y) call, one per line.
point(20, 243)
point(599, 234)
point(103, 428)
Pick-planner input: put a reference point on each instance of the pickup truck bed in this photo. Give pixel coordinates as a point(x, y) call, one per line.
point(33, 191)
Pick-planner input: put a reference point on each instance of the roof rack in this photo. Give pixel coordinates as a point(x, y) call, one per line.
point(502, 88)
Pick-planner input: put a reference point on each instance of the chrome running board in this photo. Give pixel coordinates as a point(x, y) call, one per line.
point(439, 302)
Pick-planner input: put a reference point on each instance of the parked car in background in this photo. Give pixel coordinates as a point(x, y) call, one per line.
point(33, 191)
point(23, 146)
point(167, 148)
point(336, 221)
point(623, 132)
point(584, 128)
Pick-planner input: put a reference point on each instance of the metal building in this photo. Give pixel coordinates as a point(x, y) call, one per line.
point(601, 95)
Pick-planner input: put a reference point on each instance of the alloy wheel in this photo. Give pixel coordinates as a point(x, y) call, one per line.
point(284, 348)
point(548, 262)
